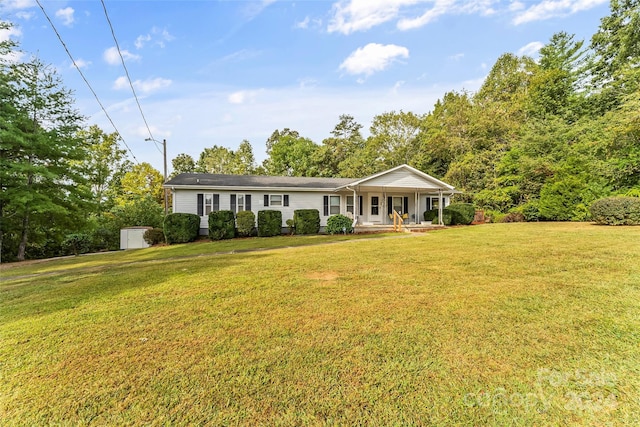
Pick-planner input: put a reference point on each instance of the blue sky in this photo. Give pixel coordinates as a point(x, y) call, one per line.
point(216, 72)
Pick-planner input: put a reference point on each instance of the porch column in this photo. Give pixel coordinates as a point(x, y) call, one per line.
point(416, 207)
point(356, 206)
point(440, 201)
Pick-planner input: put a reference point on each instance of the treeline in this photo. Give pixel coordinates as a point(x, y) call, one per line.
point(64, 188)
point(541, 138)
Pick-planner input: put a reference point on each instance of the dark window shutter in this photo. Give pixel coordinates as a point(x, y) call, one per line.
point(428, 204)
point(266, 200)
point(216, 202)
point(285, 200)
point(359, 205)
point(406, 205)
point(389, 205)
point(233, 203)
point(326, 205)
point(247, 202)
point(200, 204)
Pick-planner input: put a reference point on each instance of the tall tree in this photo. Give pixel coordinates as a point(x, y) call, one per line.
point(446, 133)
point(245, 160)
point(557, 85)
point(104, 167)
point(183, 163)
point(226, 161)
point(43, 183)
point(333, 156)
point(290, 155)
point(395, 136)
point(142, 180)
point(615, 66)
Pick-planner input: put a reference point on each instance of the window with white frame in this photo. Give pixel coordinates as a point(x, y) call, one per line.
point(432, 203)
point(211, 203)
point(334, 205)
point(276, 200)
point(240, 202)
point(350, 205)
point(331, 205)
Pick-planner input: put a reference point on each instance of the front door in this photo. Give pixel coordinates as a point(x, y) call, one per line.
point(375, 208)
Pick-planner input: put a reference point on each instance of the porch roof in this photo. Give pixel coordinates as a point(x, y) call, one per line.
point(401, 178)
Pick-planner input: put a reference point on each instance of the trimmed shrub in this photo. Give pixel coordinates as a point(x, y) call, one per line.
point(222, 225)
point(337, 224)
point(77, 243)
point(461, 213)
point(431, 215)
point(153, 236)
point(181, 227)
point(246, 223)
point(447, 216)
point(269, 223)
point(306, 221)
point(616, 211)
point(513, 217)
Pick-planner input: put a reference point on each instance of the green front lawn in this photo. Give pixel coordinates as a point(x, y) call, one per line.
point(505, 324)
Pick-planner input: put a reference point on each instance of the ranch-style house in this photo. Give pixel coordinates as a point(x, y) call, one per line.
point(369, 201)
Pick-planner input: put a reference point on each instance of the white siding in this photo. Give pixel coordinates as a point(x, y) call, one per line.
point(402, 179)
point(186, 201)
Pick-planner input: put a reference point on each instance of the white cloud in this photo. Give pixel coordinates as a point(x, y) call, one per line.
point(141, 40)
point(307, 82)
point(25, 15)
point(6, 35)
point(142, 86)
point(111, 56)
point(372, 58)
point(13, 5)
point(457, 57)
point(349, 16)
point(81, 63)
point(530, 49)
point(157, 36)
point(440, 7)
point(360, 15)
point(243, 96)
point(302, 25)
point(516, 6)
point(66, 16)
point(547, 9)
point(397, 86)
point(253, 9)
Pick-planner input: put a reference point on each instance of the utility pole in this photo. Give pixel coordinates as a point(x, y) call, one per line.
point(164, 155)
point(164, 175)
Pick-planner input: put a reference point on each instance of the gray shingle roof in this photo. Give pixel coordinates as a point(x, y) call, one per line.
point(220, 180)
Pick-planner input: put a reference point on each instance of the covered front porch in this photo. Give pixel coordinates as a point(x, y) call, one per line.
point(400, 195)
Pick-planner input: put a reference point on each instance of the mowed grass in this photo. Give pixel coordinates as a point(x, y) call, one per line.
point(505, 324)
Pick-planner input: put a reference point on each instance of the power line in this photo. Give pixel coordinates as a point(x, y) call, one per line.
point(126, 71)
point(86, 81)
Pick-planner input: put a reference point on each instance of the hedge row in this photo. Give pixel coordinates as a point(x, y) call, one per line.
point(269, 223)
point(222, 225)
point(181, 227)
point(616, 211)
point(246, 223)
point(454, 214)
point(337, 224)
point(306, 221)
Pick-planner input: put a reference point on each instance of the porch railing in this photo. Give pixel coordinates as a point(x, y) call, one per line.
point(398, 221)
